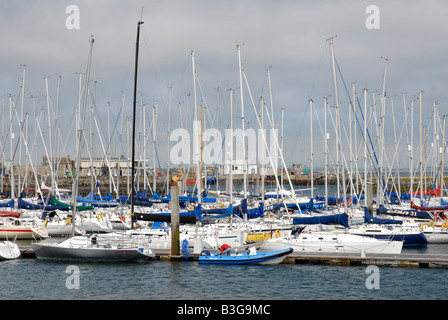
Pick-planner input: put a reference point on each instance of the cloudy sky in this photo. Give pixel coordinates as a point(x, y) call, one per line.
point(290, 38)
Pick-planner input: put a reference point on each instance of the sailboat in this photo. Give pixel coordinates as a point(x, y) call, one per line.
point(109, 247)
point(11, 226)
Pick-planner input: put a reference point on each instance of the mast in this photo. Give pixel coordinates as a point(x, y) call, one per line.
point(262, 152)
point(281, 146)
point(231, 146)
point(421, 148)
point(338, 121)
point(196, 134)
point(168, 143)
point(326, 137)
point(365, 148)
point(80, 135)
point(242, 123)
point(312, 150)
point(381, 169)
point(56, 140)
point(154, 121)
point(21, 120)
point(50, 158)
point(443, 153)
point(133, 123)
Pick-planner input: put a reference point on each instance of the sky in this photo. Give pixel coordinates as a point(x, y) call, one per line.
point(288, 38)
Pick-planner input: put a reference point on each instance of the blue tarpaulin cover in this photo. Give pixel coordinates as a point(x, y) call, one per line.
point(369, 219)
point(341, 219)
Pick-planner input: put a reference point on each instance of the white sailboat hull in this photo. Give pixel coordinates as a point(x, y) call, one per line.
point(334, 242)
point(99, 248)
point(22, 232)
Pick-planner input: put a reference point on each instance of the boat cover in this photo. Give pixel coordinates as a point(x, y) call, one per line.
point(341, 219)
point(9, 204)
point(369, 219)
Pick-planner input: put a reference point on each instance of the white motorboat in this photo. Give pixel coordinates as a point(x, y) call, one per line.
point(334, 242)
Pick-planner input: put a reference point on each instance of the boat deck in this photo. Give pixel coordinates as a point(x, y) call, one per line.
point(323, 258)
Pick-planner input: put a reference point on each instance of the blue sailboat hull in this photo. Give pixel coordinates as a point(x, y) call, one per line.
point(415, 239)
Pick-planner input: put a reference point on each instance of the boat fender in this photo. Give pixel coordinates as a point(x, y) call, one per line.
point(431, 224)
point(277, 233)
point(99, 216)
point(46, 222)
point(221, 205)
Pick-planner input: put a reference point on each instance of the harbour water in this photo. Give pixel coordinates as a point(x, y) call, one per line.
point(160, 280)
point(32, 279)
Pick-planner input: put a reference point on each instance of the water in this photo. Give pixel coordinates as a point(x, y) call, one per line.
point(32, 279)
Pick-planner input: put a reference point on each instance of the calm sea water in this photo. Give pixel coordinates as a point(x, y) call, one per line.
point(32, 279)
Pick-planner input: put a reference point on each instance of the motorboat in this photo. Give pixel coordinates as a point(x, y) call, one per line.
point(251, 256)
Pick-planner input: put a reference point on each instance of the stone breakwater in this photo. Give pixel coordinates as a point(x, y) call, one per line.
point(106, 185)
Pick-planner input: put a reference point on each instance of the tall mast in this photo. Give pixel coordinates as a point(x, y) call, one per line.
point(262, 151)
point(231, 146)
point(242, 123)
point(80, 135)
point(338, 121)
point(50, 155)
point(312, 150)
point(381, 169)
point(421, 147)
point(195, 133)
point(443, 153)
point(154, 121)
point(133, 124)
point(169, 133)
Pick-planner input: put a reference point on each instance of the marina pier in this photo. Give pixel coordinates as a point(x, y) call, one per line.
point(403, 260)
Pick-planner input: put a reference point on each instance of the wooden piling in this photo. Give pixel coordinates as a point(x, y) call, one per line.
point(175, 221)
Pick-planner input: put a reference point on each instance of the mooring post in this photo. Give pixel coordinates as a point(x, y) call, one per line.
point(175, 209)
point(369, 197)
